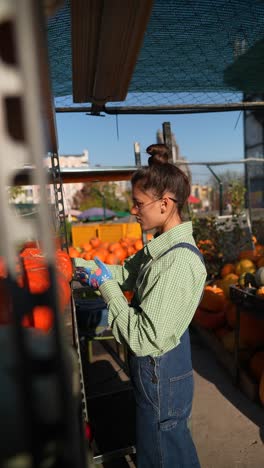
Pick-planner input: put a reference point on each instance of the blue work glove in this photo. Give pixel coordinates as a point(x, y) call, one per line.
point(94, 278)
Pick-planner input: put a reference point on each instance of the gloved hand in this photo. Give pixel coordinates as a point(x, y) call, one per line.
point(94, 278)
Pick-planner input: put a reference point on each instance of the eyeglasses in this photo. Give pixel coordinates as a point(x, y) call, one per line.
point(140, 205)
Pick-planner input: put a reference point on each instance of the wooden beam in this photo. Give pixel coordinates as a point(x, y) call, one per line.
point(106, 40)
point(25, 176)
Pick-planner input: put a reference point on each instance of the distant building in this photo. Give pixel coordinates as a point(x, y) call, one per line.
point(122, 186)
point(204, 193)
point(30, 194)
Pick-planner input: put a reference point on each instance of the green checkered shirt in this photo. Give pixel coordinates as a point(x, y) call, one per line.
point(167, 290)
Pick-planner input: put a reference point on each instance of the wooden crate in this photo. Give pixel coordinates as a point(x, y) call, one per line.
point(110, 232)
point(132, 230)
point(82, 233)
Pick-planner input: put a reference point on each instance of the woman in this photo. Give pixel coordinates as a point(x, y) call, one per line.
point(167, 277)
point(159, 152)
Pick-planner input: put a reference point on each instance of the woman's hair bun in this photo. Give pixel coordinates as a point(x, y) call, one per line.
point(159, 154)
point(158, 159)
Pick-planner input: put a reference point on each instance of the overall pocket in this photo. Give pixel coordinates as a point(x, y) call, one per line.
point(145, 381)
point(180, 395)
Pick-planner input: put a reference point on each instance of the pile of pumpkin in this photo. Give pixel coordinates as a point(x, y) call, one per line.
point(112, 253)
point(32, 275)
point(216, 312)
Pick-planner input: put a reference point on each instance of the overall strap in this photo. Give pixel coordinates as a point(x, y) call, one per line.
point(187, 246)
point(193, 249)
point(180, 244)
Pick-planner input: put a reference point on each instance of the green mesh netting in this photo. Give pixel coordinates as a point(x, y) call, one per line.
point(194, 51)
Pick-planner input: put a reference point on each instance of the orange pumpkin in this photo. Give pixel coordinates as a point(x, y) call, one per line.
point(226, 282)
point(31, 251)
point(42, 319)
point(230, 313)
point(86, 255)
point(207, 320)
point(226, 269)
point(260, 262)
point(113, 246)
point(111, 259)
point(259, 249)
point(100, 253)
point(37, 280)
point(95, 242)
point(105, 245)
point(138, 244)
point(73, 253)
point(120, 253)
point(260, 291)
point(252, 255)
point(87, 246)
point(251, 330)
point(64, 264)
point(213, 299)
point(3, 270)
point(131, 250)
point(256, 365)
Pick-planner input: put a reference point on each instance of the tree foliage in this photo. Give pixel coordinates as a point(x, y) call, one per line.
point(14, 192)
point(95, 195)
point(227, 178)
point(233, 190)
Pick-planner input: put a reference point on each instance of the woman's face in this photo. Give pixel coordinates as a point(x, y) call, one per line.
point(147, 208)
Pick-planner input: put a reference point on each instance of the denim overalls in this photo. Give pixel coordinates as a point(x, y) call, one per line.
point(163, 388)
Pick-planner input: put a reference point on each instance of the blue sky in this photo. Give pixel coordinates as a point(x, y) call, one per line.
point(201, 137)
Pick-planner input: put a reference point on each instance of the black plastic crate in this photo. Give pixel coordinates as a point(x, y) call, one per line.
point(247, 300)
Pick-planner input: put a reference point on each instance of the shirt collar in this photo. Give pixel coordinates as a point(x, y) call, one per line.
point(181, 232)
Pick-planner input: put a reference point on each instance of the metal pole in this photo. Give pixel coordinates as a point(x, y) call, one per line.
point(220, 183)
point(104, 208)
point(247, 171)
point(166, 127)
point(163, 110)
point(137, 154)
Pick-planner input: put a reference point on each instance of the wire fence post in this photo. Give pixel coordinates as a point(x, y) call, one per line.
point(137, 154)
point(220, 183)
point(166, 128)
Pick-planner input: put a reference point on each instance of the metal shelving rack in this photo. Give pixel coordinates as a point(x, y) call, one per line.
point(43, 401)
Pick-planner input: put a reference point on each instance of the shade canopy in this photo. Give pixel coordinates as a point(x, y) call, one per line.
point(193, 200)
point(187, 53)
point(96, 213)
